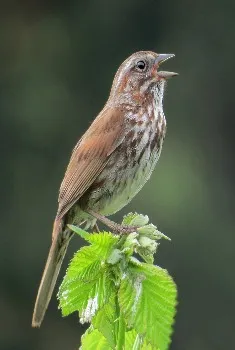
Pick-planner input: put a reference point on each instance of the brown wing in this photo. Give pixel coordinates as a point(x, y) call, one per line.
point(90, 156)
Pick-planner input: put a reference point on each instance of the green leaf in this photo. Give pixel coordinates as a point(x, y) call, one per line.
point(90, 260)
point(152, 232)
point(88, 281)
point(145, 255)
point(115, 256)
point(94, 340)
point(134, 219)
point(85, 235)
point(107, 323)
point(105, 320)
point(147, 298)
point(103, 239)
point(85, 265)
point(86, 297)
point(134, 341)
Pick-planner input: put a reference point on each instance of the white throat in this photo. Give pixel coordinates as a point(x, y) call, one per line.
point(158, 92)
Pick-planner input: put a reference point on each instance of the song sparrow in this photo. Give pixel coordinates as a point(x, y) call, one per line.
point(112, 160)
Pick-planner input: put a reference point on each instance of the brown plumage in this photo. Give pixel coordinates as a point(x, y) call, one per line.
point(112, 160)
point(90, 156)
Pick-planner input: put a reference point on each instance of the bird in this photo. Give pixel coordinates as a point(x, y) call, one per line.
point(112, 160)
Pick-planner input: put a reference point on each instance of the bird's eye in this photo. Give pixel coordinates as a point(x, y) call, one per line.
point(140, 66)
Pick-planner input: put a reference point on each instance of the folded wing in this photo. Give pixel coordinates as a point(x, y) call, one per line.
point(90, 156)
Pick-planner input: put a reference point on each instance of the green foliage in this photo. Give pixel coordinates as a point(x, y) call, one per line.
point(94, 340)
point(147, 297)
point(88, 284)
point(130, 304)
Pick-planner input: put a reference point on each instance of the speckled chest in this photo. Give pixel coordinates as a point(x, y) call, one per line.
point(132, 163)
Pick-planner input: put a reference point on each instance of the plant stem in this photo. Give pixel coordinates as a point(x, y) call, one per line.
point(138, 342)
point(121, 329)
point(121, 333)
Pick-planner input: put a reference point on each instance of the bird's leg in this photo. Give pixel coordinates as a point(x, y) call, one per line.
point(112, 225)
point(96, 227)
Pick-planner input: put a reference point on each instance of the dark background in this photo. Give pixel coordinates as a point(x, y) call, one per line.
point(57, 61)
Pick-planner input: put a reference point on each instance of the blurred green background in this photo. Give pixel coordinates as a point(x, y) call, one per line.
point(57, 61)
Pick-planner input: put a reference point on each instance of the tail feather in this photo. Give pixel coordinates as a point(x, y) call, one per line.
point(55, 258)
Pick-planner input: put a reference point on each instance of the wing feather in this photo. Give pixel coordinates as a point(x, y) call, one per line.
point(90, 156)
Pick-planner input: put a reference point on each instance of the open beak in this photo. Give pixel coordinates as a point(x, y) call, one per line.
point(159, 60)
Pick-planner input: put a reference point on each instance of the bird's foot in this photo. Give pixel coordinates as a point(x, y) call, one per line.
point(116, 228)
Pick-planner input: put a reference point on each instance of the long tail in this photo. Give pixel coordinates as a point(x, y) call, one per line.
point(55, 258)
